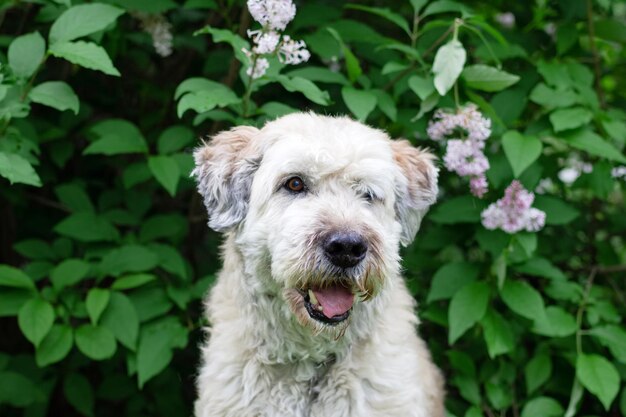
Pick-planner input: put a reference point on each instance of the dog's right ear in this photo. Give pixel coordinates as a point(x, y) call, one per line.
point(224, 170)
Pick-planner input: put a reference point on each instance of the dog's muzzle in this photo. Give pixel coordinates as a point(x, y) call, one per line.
point(330, 304)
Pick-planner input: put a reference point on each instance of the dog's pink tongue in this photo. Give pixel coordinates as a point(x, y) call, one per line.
point(335, 300)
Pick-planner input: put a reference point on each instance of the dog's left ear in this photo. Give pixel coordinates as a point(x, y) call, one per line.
point(224, 170)
point(418, 192)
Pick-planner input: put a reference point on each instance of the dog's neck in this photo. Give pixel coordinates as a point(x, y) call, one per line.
point(272, 333)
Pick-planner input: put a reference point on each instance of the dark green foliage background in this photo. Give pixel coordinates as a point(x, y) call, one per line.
point(104, 246)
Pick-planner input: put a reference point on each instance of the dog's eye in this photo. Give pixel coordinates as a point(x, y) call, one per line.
point(295, 184)
point(368, 196)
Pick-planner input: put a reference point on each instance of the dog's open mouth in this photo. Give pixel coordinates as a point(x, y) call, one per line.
point(329, 304)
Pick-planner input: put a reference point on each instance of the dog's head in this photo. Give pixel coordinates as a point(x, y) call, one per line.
point(318, 207)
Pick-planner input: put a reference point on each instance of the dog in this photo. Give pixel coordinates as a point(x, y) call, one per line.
point(310, 315)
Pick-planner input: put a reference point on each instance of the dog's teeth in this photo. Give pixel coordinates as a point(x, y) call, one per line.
point(312, 298)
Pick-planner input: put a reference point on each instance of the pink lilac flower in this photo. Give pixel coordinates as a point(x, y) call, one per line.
point(273, 15)
point(464, 155)
point(513, 212)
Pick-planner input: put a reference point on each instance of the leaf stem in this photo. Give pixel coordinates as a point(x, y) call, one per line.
point(248, 93)
point(482, 38)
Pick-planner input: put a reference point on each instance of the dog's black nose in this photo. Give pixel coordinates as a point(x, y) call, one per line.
point(345, 249)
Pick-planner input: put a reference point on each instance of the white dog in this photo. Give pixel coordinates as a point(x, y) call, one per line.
point(310, 315)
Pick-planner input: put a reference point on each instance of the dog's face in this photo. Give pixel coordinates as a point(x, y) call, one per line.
point(319, 206)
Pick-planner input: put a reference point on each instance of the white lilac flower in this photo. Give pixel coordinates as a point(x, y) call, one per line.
point(513, 212)
point(293, 52)
point(574, 168)
point(158, 27)
point(258, 68)
point(506, 20)
point(464, 153)
point(274, 14)
point(619, 172)
point(545, 186)
point(265, 42)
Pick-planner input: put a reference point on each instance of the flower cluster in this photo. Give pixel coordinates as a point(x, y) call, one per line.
point(513, 212)
point(159, 29)
point(464, 153)
point(273, 15)
point(619, 172)
point(574, 168)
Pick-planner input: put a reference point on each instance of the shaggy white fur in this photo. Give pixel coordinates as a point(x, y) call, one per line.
point(266, 354)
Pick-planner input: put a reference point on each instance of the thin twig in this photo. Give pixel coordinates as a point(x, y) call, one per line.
point(49, 203)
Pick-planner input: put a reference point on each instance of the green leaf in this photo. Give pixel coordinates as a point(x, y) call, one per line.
point(448, 64)
point(97, 301)
point(128, 258)
point(386, 104)
point(205, 100)
point(613, 337)
point(150, 302)
point(486, 78)
point(55, 346)
point(225, 35)
point(16, 168)
point(599, 376)
point(551, 98)
point(155, 348)
point(153, 6)
point(523, 299)
point(306, 87)
point(19, 391)
point(116, 136)
point(69, 272)
point(450, 278)
point(74, 197)
point(385, 13)
point(564, 119)
point(34, 249)
point(174, 138)
point(25, 54)
point(557, 323)
point(590, 142)
point(361, 103)
point(537, 371)
point(465, 209)
point(83, 20)
point(12, 300)
point(170, 259)
point(498, 334)
point(446, 6)
point(96, 342)
point(86, 54)
point(120, 317)
point(35, 319)
point(172, 226)
point(55, 94)
point(87, 227)
point(132, 281)
point(418, 4)
point(166, 171)
point(319, 74)
point(79, 393)
point(557, 211)
point(542, 406)
point(467, 307)
point(520, 150)
point(540, 267)
point(423, 87)
point(13, 277)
